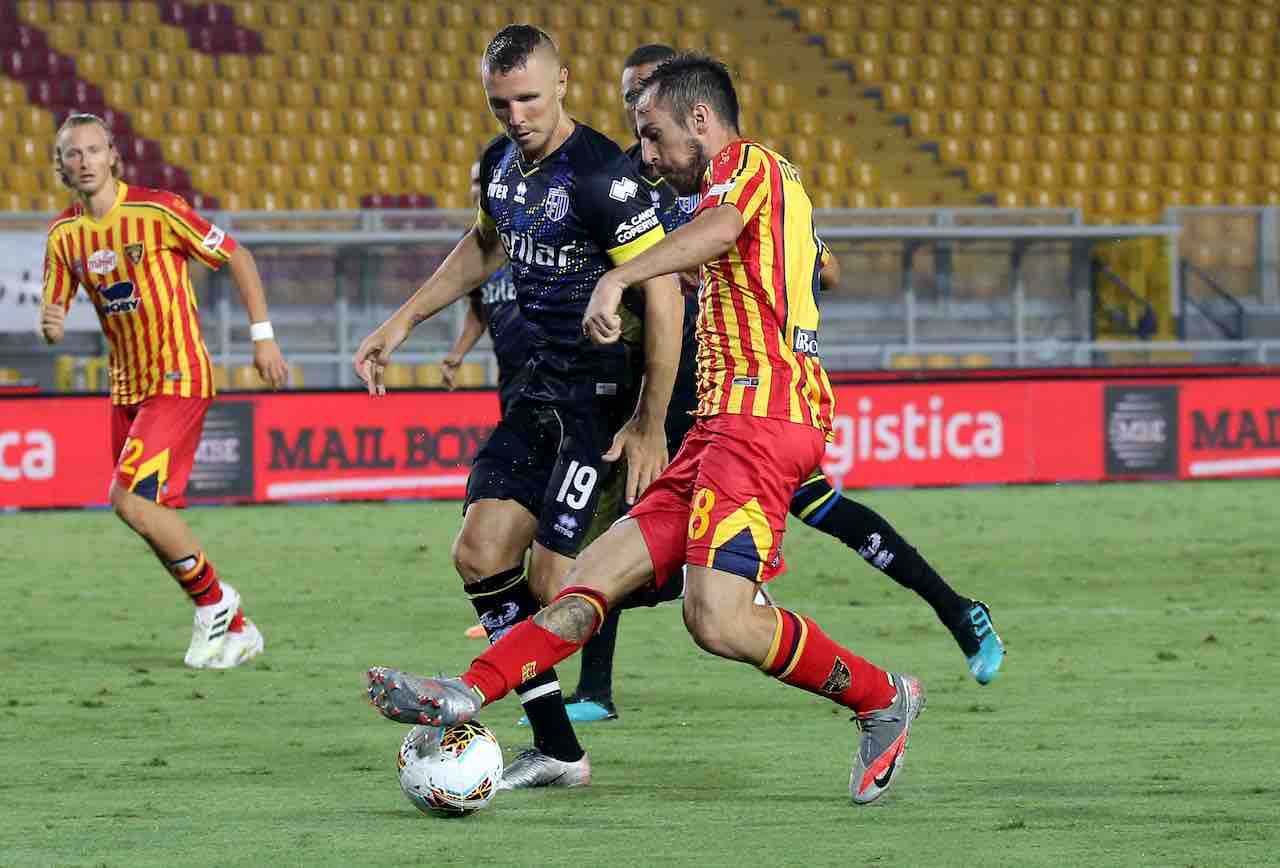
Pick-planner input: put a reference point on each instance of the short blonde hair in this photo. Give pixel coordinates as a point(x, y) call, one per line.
point(80, 119)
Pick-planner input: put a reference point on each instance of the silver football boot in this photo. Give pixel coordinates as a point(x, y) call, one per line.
point(533, 768)
point(410, 699)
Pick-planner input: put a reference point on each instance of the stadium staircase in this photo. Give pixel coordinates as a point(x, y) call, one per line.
point(1120, 109)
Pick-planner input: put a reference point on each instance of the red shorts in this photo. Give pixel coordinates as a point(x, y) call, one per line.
point(155, 445)
point(722, 503)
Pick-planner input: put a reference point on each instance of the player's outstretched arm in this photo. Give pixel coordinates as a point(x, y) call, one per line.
point(473, 326)
point(267, 357)
point(477, 255)
point(643, 440)
point(691, 246)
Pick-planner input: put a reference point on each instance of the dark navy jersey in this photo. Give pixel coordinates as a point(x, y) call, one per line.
point(564, 222)
point(495, 302)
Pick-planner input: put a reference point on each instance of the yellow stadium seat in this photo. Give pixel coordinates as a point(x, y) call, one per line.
point(428, 376)
point(245, 378)
point(237, 179)
point(906, 361)
point(471, 375)
point(939, 361)
point(221, 382)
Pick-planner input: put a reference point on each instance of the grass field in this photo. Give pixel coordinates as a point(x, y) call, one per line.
point(1130, 726)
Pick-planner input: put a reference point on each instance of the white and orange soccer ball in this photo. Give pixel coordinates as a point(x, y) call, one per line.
point(450, 771)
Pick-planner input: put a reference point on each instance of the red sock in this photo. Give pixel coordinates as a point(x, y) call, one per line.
point(527, 650)
point(198, 578)
point(805, 657)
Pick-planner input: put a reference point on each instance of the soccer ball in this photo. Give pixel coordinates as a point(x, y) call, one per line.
point(450, 771)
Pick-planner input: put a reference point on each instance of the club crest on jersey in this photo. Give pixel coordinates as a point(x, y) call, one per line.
point(213, 239)
point(556, 204)
point(689, 204)
point(134, 252)
point(623, 189)
point(102, 261)
point(655, 197)
point(521, 189)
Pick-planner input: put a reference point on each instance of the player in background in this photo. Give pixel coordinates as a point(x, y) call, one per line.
point(560, 202)
point(816, 503)
point(129, 248)
point(765, 411)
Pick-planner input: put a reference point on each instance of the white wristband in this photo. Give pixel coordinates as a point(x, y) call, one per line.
point(261, 331)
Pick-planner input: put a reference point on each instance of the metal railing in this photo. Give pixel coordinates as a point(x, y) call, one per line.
point(350, 269)
point(1230, 324)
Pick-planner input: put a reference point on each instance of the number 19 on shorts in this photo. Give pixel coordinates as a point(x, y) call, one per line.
point(582, 478)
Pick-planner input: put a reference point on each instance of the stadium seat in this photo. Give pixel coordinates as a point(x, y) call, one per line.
point(906, 361)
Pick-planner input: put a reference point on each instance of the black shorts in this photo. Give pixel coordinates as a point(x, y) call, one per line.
point(547, 458)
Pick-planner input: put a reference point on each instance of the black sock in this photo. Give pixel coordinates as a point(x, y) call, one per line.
point(502, 601)
point(867, 532)
point(595, 680)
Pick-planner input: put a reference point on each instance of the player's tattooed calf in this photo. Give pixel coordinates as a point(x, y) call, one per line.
point(571, 619)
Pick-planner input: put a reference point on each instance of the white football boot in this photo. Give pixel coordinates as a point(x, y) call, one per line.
point(239, 647)
point(209, 632)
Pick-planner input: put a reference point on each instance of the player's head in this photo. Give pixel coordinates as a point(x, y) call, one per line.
point(525, 82)
point(686, 112)
point(475, 183)
point(638, 66)
point(84, 155)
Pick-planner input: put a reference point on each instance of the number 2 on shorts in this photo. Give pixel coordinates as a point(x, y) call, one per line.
point(583, 478)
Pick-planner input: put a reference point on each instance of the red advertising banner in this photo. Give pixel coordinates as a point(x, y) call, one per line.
point(965, 433)
point(1229, 428)
point(348, 446)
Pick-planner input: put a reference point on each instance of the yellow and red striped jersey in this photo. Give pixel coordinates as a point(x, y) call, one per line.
point(758, 318)
point(133, 265)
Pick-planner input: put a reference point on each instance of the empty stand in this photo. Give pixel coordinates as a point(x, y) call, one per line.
point(1151, 104)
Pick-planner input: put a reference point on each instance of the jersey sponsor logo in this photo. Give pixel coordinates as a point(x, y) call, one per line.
point(750, 382)
point(102, 261)
point(805, 342)
point(720, 189)
point(636, 226)
point(497, 189)
point(521, 247)
point(498, 291)
point(623, 189)
point(213, 239)
point(521, 189)
point(556, 204)
point(119, 298)
point(134, 252)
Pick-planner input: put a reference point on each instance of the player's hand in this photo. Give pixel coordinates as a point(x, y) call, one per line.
point(690, 283)
point(601, 322)
point(374, 354)
point(449, 369)
point(644, 446)
point(53, 322)
point(270, 363)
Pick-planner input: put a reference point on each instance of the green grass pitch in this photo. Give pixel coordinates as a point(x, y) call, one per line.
point(1134, 722)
